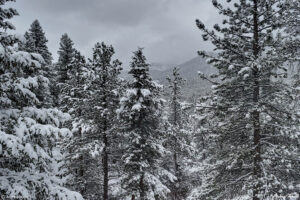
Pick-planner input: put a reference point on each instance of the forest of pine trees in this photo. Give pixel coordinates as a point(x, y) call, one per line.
point(74, 129)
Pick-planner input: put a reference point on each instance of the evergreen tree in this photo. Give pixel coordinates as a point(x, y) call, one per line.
point(206, 145)
point(257, 132)
point(66, 53)
point(27, 45)
point(37, 42)
point(177, 139)
point(96, 121)
point(141, 113)
point(104, 99)
point(292, 18)
point(83, 167)
point(293, 49)
point(63, 68)
point(292, 29)
point(30, 159)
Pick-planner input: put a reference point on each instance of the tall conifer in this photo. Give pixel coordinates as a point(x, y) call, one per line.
point(66, 54)
point(37, 41)
point(141, 111)
point(255, 130)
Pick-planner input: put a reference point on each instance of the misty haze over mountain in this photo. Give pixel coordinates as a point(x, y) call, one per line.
point(194, 85)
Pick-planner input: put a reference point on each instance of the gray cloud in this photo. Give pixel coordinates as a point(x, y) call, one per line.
point(166, 28)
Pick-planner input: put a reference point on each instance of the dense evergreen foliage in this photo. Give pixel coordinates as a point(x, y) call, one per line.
point(36, 41)
point(257, 124)
point(30, 159)
point(66, 53)
point(74, 129)
point(140, 111)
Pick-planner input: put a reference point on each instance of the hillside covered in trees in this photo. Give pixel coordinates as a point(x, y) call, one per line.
point(222, 126)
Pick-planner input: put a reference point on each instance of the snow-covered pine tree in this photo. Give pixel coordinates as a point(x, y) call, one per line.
point(293, 32)
point(27, 45)
point(29, 157)
point(103, 102)
point(292, 18)
point(62, 69)
point(36, 42)
point(292, 29)
point(82, 166)
point(258, 135)
point(66, 54)
point(140, 112)
point(176, 139)
point(206, 145)
point(36, 38)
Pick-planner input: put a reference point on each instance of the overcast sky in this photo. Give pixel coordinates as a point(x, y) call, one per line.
point(165, 28)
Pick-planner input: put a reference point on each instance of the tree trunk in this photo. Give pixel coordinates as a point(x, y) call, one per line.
point(81, 172)
point(142, 188)
point(105, 140)
point(105, 164)
point(175, 123)
point(257, 155)
point(176, 174)
point(256, 114)
point(105, 167)
point(176, 166)
point(81, 168)
point(133, 197)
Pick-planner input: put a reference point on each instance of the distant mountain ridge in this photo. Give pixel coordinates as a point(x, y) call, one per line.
point(187, 69)
point(194, 86)
point(160, 66)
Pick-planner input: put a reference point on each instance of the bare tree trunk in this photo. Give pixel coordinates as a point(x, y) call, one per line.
point(256, 114)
